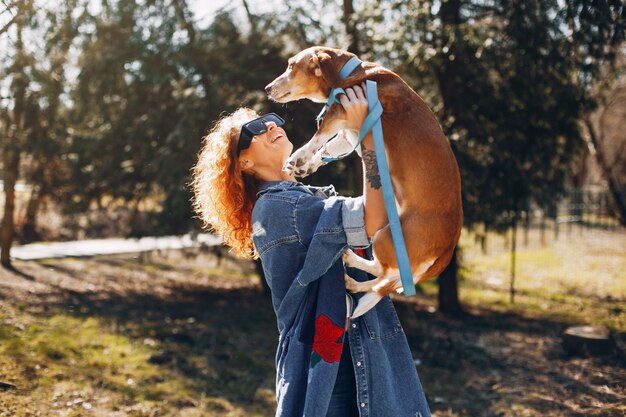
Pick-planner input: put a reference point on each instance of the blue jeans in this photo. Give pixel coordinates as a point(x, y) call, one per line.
point(343, 402)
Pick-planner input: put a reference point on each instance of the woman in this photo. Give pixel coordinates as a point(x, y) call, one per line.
point(327, 364)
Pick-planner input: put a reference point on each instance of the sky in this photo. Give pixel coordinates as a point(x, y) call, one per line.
point(204, 10)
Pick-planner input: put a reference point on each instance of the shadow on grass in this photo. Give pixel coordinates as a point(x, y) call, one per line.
point(16, 271)
point(232, 331)
point(222, 343)
point(474, 363)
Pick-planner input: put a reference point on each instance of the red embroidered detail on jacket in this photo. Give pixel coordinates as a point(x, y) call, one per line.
point(326, 342)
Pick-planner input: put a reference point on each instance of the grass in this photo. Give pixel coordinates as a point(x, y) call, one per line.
point(578, 279)
point(137, 351)
point(180, 334)
point(83, 365)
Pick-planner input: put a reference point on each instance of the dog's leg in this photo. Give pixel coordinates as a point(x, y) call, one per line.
point(297, 164)
point(336, 146)
point(353, 137)
point(342, 143)
point(383, 286)
point(353, 285)
point(370, 299)
point(373, 267)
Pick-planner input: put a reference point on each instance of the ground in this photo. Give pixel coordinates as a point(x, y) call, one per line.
point(191, 333)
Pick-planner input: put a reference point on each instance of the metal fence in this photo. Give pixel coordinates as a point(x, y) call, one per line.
point(577, 211)
point(588, 208)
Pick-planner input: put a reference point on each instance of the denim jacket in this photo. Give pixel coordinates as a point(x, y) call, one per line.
point(300, 233)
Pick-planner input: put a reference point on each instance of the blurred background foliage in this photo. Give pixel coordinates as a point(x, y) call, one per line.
point(103, 104)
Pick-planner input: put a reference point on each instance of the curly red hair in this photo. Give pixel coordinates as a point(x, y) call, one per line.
point(223, 195)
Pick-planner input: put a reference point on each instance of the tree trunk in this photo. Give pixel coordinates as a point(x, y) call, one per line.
point(542, 228)
point(526, 227)
point(29, 228)
point(350, 24)
point(614, 189)
point(449, 13)
point(448, 296)
point(12, 149)
point(513, 254)
point(447, 78)
point(11, 160)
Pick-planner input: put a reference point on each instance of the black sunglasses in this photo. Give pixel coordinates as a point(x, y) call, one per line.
point(256, 127)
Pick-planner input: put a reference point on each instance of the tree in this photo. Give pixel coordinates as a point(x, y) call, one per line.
point(151, 82)
point(607, 144)
point(15, 120)
point(33, 120)
point(511, 89)
point(48, 129)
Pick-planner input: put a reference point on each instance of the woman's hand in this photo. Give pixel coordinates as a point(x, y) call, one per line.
point(354, 103)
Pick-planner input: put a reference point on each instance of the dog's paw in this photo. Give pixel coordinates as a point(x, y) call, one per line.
point(349, 257)
point(300, 157)
point(352, 285)
point(289, 167)
point(299, 163)
point(302, 172)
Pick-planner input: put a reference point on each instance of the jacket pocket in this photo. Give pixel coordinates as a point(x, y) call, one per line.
point(265, 246)
point(382, 321)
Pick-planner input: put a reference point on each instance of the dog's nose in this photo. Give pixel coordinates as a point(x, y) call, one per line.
point(268, 88)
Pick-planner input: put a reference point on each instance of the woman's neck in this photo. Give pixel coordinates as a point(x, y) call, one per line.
point(275, 175)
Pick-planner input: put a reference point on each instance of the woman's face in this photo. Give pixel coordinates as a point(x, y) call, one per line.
point(268, 150)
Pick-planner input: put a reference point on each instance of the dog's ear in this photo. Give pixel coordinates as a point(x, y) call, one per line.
point(326, 69)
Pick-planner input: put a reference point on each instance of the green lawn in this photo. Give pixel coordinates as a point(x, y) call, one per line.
point(184, 334)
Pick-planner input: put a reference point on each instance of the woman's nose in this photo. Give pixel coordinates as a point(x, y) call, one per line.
point(270, 125)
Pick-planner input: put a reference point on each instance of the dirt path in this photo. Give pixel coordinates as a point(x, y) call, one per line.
point(94, 247)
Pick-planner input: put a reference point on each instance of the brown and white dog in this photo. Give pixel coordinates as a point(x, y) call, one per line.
point(423, 169)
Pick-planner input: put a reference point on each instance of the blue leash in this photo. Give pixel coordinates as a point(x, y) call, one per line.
point(345, 71)
point(372, 121)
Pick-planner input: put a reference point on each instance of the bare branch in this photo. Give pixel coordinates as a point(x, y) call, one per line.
point(8, 25)
point(251, 18)
point(180, 9)
point(8, 7)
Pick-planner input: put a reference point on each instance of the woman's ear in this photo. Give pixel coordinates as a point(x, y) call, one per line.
point(245, 164)
point(327, 70)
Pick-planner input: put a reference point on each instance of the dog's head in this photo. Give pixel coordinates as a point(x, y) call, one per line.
point(310, 74)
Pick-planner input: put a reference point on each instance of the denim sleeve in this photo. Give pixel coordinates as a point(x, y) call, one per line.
point(321, 229)
point(352, 214)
